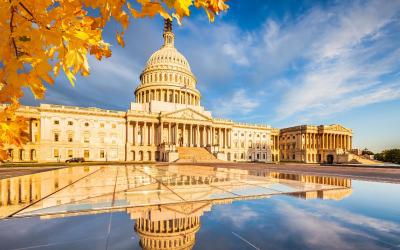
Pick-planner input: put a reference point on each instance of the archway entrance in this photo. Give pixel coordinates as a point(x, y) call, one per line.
point(329, 159)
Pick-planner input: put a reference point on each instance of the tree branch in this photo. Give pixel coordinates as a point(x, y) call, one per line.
point(12, 30)
point(31, 14)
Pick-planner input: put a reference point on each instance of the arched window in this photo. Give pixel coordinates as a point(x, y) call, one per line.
point(165, 77)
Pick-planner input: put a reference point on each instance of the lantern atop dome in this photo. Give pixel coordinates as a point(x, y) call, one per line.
point(168, 34)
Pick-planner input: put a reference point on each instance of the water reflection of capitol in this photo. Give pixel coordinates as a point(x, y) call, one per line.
point(166, 226)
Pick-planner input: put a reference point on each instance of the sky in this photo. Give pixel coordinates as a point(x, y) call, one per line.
point(282, 63)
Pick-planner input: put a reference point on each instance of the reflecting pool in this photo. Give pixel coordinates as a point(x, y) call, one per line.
point(185, 207)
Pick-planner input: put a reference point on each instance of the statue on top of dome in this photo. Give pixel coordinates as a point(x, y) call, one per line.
point(168, 34)
point(167, 25)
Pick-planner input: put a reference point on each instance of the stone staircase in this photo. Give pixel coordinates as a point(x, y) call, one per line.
point(353, 158)
point(194, 154)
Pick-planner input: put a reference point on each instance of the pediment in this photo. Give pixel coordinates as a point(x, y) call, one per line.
point(339, 127)
point(187, 114)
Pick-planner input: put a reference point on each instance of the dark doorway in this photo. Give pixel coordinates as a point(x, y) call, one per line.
point(329, 159)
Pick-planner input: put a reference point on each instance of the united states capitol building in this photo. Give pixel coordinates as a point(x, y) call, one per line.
point(167, 122)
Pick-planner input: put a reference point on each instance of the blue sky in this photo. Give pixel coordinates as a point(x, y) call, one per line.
point(283, 63)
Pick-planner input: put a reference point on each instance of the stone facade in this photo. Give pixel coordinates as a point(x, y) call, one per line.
point(314, 144)
point(166, 115)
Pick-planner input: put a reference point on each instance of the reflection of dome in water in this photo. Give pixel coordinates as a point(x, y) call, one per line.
point(169, 226)
point(177, 233)
point(167, 76)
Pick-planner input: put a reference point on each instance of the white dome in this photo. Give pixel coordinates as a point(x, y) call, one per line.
point(167, 76)
point(167, 57)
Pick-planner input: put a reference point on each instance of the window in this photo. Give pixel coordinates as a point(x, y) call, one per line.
point(101, 139)
point(56, 153)
point(293, 157)
point(70, 137)
point(102, 154)
point(70, 123)
point(101, 125)
point(86, 138)
point(70, 153)
point(56, 122)
point(86, 153)
point(114, 126)
point(86, 124)
point(21, 154)
point(56, 136)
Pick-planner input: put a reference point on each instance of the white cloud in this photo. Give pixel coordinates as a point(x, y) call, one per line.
point(239, 216)
point(239, 102)
point(331, 228)
point(345, 62)
point(237, 54)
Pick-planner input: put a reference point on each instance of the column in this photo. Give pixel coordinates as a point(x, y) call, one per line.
point(184, 134)
point(152, 133)
point(176, 141)
point(135, 133)
point(169, 131)
point(226, 137)
point(161, 131)
point(145, 134)
point(322, 141)
point(212, 136)
point(219, 137)
point(197, 135)
point(334, 141)
point(329, 141)
point(191, 135)
point(315, 141)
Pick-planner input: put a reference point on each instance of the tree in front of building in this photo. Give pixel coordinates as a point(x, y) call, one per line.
point(40, 38)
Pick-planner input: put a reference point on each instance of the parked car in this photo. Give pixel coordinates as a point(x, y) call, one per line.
point(76, 159)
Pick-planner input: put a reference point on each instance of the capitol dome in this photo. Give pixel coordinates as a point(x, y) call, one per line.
point(167, 76)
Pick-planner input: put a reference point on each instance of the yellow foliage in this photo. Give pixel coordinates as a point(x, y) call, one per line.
point(40, 37)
